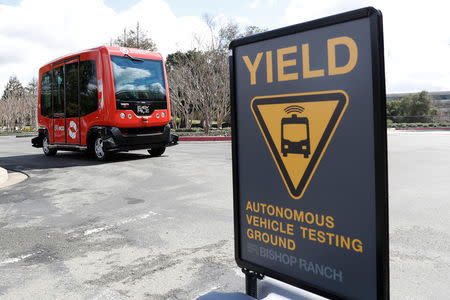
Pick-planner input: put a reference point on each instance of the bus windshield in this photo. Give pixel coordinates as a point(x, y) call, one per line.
point(295, 132)
point(141, 80)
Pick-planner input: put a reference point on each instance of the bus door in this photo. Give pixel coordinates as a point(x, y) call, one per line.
point(59, 112)
point(71, 80)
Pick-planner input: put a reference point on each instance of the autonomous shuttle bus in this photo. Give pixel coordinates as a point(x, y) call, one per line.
point(295, 136)
point(104, 100)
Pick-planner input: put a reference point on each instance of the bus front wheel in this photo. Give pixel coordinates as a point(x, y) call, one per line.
point(157, 151)
point(99, 150)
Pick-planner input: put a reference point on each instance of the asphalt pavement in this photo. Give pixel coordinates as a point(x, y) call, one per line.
point(134, 227)
point(162, 228)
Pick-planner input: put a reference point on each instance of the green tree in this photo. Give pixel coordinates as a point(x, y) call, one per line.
point(179, 58)
point(393, 108)
point(13, 88)
point(32, 87)
point(232, 31)
point(251, 30)
point(419, 104)
point(411, 108)
point(228, 33)
point(135, 38)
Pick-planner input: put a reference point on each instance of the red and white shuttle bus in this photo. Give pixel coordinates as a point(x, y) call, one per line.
point(104, 100)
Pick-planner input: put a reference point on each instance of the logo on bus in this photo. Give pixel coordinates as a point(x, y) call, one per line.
point(133, 51)
point(73, 129)
point(143, 109)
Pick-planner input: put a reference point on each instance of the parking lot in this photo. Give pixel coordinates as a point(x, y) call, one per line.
point(161, 228)
point(134, 227)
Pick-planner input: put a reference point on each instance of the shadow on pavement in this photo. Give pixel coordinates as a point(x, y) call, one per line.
point(62, 160)
point(225, 296)
point(268, 289)
point(273, 289)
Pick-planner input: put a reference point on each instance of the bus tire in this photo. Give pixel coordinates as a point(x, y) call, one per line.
point(157, 151)
point(99, 150)
point(46, 148)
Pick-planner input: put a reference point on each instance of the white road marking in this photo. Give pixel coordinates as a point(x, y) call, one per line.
point(122, 222)
point(15, 259)
point(96, 230)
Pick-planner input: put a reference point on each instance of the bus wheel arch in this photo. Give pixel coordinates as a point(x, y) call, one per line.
point(37, 141)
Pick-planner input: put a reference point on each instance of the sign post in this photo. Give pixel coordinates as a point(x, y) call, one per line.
point(309, 156)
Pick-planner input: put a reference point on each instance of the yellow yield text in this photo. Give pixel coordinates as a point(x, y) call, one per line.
point(288, 59)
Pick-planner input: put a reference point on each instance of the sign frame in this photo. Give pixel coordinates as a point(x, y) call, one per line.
point(379, 138)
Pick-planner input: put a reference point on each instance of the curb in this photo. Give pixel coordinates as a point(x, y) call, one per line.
point(424, 128)
point(26, 135)
point(204, 138)
point(3, 175)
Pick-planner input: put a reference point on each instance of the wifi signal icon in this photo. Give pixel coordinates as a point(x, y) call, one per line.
point(294, 109)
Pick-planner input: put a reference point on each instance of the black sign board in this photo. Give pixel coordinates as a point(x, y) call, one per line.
point(309, 155)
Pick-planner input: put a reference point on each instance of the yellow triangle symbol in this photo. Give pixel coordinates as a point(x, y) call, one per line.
point(297, 129)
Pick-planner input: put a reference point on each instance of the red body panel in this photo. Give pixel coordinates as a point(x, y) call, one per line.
point(59, 131)
point(74, 130)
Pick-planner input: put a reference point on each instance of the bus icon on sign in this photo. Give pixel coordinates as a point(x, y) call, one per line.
point(295, 136)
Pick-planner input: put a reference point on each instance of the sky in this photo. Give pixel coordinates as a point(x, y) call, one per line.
point(32, 32)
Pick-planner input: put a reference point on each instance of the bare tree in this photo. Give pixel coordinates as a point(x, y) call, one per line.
point(30, 103)
point(18, 105)
point(199, 80)
point(211, 23)
point(222, 107)
point(181, 69)
point(181, 97)
point(9, 112)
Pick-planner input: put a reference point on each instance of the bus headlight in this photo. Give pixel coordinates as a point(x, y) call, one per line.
point(129, 116)
point(163, 114)
point(157, 116)
point(122, 115)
